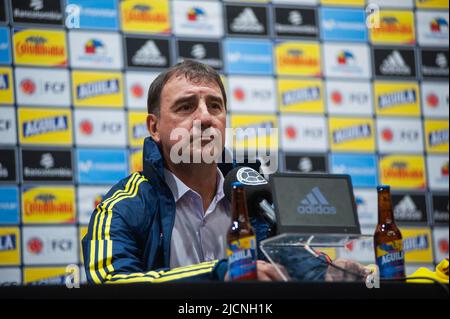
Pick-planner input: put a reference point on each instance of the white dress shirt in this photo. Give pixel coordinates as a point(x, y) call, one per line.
point(197, 235)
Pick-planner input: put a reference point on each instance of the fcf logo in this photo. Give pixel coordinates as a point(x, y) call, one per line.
point(373, 278)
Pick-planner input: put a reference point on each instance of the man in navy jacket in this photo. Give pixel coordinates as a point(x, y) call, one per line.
point(169, 222)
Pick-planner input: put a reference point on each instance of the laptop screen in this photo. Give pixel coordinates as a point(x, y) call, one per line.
point(314, 203)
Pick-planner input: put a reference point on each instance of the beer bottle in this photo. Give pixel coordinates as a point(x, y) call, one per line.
point(241, 239)
point(387, 239)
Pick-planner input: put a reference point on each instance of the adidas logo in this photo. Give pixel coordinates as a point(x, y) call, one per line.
point(315, 204)
point(407, 210)
point(394, 64)
point(149, 54)
point(246, 21)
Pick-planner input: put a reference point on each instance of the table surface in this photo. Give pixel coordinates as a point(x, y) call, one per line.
point(223, 290)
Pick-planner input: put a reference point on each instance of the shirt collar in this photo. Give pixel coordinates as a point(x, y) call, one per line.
point(179, 189)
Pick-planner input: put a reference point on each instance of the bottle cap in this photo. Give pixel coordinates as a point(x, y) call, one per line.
point(237, 185)
point(383, 187)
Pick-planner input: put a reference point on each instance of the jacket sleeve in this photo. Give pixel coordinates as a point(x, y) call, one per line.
point(112, 253)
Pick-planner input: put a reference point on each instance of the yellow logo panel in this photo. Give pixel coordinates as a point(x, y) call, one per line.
point(417, 245)
point(254, 131)
point(432, 4)
point(45, 126)
point(6, 86)
point(82, 232)
point(403, 172)
point(44, 275)
point(395, 27)
point(300, 96)
point(151, 16)
point(137, 128)
point(352, 135)
point(97, 89)
point(136, 160)
point(436, 136)
point(48, 205)
point(297, 58)
point(9, 246)
point(40, 47)
point(398, 99)
point(355, 3)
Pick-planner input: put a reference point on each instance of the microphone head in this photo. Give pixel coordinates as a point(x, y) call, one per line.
point(256, 186)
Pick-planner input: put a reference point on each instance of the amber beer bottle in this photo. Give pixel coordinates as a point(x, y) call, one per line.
point(241, 239)
point(388, 241)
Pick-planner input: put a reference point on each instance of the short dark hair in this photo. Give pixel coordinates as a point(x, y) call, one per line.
point(194, 72)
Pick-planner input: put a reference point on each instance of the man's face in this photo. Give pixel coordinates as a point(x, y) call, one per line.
point(194, 108)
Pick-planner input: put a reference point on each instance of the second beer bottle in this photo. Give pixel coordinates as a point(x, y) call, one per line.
point(388, 241)
point(241, 239)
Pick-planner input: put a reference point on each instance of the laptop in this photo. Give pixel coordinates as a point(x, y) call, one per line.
point(314, 204)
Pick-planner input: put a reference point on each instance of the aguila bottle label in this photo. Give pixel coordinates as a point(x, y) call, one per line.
point(242, 259)
point(391, 259)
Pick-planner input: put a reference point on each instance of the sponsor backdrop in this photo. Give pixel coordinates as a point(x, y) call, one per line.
point(350, 93)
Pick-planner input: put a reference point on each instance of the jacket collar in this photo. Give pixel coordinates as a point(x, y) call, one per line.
point(153, 163)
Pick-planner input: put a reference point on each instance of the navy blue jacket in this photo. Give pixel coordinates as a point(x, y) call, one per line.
point(129, 234)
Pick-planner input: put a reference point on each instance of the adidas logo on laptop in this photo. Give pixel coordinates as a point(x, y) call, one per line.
point(315, 203)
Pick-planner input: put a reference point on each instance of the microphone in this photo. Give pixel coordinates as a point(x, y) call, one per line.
point(257, 190)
